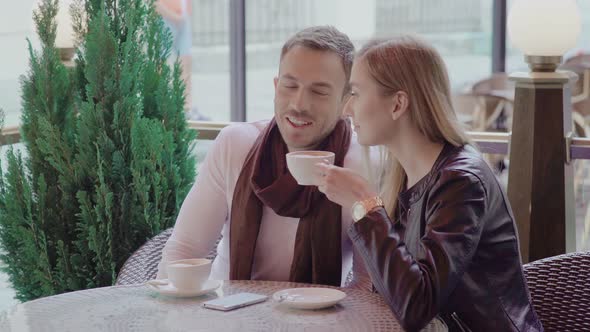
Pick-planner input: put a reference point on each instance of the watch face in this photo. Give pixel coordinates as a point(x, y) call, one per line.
point(358, 211)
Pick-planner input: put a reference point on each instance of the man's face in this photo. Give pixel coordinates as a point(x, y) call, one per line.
point(308, 96)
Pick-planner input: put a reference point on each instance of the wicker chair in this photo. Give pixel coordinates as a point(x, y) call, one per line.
point(496, 111)
point(560, 290)
point(142, 265)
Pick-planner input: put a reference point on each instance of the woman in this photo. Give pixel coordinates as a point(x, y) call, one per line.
point(441, 239)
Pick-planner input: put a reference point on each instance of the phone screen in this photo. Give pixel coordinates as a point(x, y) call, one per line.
point(234, 301)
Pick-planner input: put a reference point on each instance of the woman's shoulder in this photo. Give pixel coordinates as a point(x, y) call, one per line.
point(465, 165)
point(465, 160)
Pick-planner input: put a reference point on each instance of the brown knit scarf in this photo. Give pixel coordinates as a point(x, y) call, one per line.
point(266, 181)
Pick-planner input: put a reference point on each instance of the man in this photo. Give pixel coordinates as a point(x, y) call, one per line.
point(273, 229)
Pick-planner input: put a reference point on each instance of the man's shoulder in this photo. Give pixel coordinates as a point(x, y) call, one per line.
point(244, 128)
point(232, 146)
point(242, 133)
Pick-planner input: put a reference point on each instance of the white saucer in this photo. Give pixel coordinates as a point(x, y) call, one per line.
point(309, 298)
point(164, 287)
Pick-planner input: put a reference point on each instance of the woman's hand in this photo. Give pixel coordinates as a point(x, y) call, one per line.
point(342, 185)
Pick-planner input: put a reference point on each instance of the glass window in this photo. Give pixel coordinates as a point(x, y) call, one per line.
point(200, 29)
point(461, 31)
point(210, 60)
point(582, 167)
point(16, 25)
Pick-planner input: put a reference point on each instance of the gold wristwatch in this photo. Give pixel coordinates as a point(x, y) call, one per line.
point(361, 208)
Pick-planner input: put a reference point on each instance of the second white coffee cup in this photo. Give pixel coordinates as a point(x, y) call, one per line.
point(189, 274)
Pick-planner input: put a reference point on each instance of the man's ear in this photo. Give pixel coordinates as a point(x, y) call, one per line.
point(400, 104)
point(276, 82)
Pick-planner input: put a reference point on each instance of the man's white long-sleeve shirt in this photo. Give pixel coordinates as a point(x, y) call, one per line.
point(204, 214)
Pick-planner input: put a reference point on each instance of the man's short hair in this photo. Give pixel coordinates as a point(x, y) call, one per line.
point(324, 38)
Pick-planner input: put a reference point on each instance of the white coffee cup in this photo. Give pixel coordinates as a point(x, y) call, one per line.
point(302, 165)
point(189, 274)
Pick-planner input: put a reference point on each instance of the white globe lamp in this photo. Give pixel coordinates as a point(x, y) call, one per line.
point(544, 30)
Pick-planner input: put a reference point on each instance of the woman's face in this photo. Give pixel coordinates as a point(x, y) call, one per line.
point(371, 111)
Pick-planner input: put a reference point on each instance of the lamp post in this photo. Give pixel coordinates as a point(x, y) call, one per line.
point(540, 186)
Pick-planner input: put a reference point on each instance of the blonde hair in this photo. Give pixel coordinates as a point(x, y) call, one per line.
point(408, 64)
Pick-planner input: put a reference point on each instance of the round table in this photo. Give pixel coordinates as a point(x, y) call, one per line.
point(137, 308)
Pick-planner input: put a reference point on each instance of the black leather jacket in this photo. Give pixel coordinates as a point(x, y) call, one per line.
point(452, 251)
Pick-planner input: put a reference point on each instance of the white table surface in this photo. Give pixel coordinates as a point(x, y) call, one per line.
point(137, 308)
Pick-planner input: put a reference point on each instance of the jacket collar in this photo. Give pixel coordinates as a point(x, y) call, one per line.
point(412, 195)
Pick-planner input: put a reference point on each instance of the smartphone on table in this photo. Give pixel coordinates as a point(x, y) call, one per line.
point(234, 301)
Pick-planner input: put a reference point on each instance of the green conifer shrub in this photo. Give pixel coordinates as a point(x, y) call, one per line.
point(108, 157)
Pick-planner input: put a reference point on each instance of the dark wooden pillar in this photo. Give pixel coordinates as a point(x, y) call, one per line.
point(540, 180)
